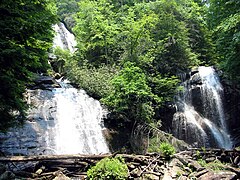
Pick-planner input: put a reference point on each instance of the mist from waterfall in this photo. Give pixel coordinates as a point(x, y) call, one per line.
point(202, 123)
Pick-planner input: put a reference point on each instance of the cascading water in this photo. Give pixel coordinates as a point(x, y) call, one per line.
point(63, 38)
point(78, 126)
point(61, 121)
point(200, 117)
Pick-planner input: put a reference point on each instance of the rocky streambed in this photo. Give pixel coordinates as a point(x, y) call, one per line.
point(201, 164)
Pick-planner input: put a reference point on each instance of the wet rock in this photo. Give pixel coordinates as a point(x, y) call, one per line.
point(196, 79)
point(194, 71)
point(236, 160)
point(44, 82)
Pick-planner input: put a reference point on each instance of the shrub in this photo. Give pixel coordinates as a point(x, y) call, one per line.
point(167, 149)
point(95, 81)
point(109, 168)
point(154, 145)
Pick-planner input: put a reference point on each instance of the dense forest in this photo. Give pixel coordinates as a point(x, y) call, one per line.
point(129, 55)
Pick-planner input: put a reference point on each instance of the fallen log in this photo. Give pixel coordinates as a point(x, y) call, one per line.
point(127, 157)
point(52, 157)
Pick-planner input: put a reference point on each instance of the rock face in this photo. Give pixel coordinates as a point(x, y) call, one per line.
point(44, 83)
point(232, 109)
point(33, 137)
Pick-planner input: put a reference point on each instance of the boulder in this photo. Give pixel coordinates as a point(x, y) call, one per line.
point(218, 175)
point(44, 82)
point(61, 176)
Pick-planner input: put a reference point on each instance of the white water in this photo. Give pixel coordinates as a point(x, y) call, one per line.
point(78, 123)
point(60, 121)
point(212, 92)
point(211, 124)
point(63, 38)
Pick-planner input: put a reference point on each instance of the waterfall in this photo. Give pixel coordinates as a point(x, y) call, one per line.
point(60, 121)
point(200, 119)
point(63, 38)
point(79, 120)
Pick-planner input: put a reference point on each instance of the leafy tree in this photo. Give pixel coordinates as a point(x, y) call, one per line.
point(60, 57)
point(66, 10)
point(151, 42)
point(131, 97)
point(26, 35)
point(96, 31)
point(224, 20)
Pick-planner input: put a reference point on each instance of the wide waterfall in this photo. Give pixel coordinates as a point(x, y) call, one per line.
point(200, 118)
point(60, 121)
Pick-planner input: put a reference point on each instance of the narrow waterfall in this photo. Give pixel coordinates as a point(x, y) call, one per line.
point(200, 119)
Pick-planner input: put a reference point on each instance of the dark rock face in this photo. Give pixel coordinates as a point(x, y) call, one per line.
point(33, 137)
point(232, 110)
point(44, 83)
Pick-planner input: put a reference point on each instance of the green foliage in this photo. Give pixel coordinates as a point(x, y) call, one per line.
point(109, 168)
point(96, 81)
point(66, 9)
point(153, 145)
point(150, 41)
point(224, 20)
point(26, 35)
point(60, 57)
point(96, 32)
point(167, 149)
point(131, 95)
point(214, 165)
